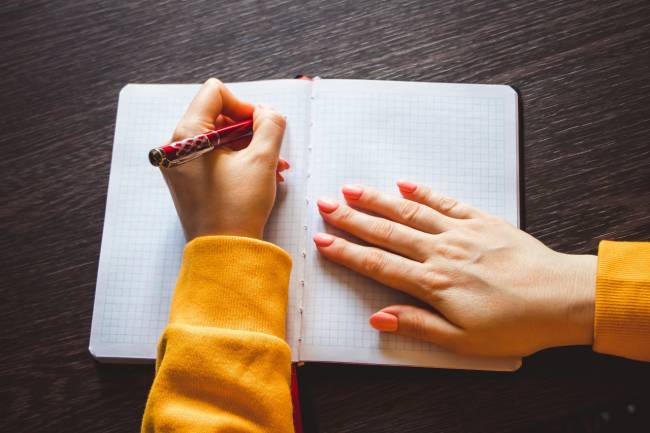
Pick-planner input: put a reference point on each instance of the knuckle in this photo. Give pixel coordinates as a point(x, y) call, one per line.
point(423, 192)
point(429, 281)
point(373, 262)
point(455, 253)
point(279, 120)
point(409, 211)
point(470, 227)
point(447, 251)
point(382, 229)
point(369, 196)
point(446, 204)
point(275, 118)
point(485, 223)
point(345, 215)
point(214, 82)
point(494, 220)
point(338, 250)
point(459, 237)
point(418, 329)
point(428, 196)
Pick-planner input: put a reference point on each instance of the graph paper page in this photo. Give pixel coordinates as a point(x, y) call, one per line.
point(460, 139)
point(142, 241)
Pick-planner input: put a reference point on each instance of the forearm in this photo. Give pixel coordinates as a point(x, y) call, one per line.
point(222, 362)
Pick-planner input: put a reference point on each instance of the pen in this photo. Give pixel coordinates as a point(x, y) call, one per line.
point(185, 150)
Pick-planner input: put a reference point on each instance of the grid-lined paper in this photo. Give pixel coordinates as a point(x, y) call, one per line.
point(460, 139)
point(142, 241)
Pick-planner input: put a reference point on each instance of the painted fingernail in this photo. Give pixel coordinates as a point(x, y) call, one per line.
point(323, 239)
point(327, 205)
point(384, 322)
point(352, 192)
point(283, 164)
point(406, 186)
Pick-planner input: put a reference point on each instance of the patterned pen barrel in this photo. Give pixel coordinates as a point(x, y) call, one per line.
point(185, 150)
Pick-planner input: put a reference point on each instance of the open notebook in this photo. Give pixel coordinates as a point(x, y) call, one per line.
point(461, 139)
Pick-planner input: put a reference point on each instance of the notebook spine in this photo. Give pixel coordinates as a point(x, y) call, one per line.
point(305, 226)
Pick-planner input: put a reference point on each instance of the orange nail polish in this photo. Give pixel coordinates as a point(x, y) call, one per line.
point(385, 322)
point(323, 239)
point(406, 186)
point(352, 192)
point(327, 205)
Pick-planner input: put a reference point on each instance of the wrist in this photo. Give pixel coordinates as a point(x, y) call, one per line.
point(236, 232)
point(232, 227)
point(580, 290)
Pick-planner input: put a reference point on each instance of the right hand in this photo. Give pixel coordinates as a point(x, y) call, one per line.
point(493, 289)
point(227, 191)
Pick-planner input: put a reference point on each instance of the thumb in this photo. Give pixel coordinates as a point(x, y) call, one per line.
point(268, 130)
point(417, 323)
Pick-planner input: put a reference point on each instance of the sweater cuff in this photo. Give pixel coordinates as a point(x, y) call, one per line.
point(232, 282)
point(622, 314)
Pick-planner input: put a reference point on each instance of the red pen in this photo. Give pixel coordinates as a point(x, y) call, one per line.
point(182, 151)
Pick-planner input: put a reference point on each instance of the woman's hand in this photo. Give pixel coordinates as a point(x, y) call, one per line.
point(493, 289)
point(227, 191)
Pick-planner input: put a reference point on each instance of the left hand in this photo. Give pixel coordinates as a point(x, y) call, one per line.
point(493, 289)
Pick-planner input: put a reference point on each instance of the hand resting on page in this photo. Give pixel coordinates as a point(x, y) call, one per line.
point(493, 289)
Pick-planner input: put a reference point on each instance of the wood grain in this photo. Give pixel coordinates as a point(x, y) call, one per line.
point(582, 69)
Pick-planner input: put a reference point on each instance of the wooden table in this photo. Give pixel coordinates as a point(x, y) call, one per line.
point(582, 68)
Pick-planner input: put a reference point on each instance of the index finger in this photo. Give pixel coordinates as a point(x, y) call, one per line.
point(213, 99)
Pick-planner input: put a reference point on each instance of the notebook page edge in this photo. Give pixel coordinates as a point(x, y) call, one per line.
point(405, 358)
point(127, 93)
point(477, 89)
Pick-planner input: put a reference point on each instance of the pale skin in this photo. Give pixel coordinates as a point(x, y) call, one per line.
point(492, 288)
point(226, 191)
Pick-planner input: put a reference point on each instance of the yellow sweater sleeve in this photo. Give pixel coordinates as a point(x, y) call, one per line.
point(223, 364)
point(622, 316)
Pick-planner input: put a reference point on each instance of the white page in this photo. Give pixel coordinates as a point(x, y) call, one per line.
point(142, 240)
point(459, 139)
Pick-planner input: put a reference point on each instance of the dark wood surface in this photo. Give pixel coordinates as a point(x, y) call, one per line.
point(582, 68)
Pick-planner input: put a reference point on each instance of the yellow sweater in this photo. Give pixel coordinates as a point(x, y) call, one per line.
point(622, 316)
point(223, 364)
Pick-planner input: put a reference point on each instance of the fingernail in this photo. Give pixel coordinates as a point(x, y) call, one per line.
point(384, 322)
point(265, 107)
point(323, 239)
point(352, 192)
point(327, 205)
point(284, 164)
point(406, 186)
